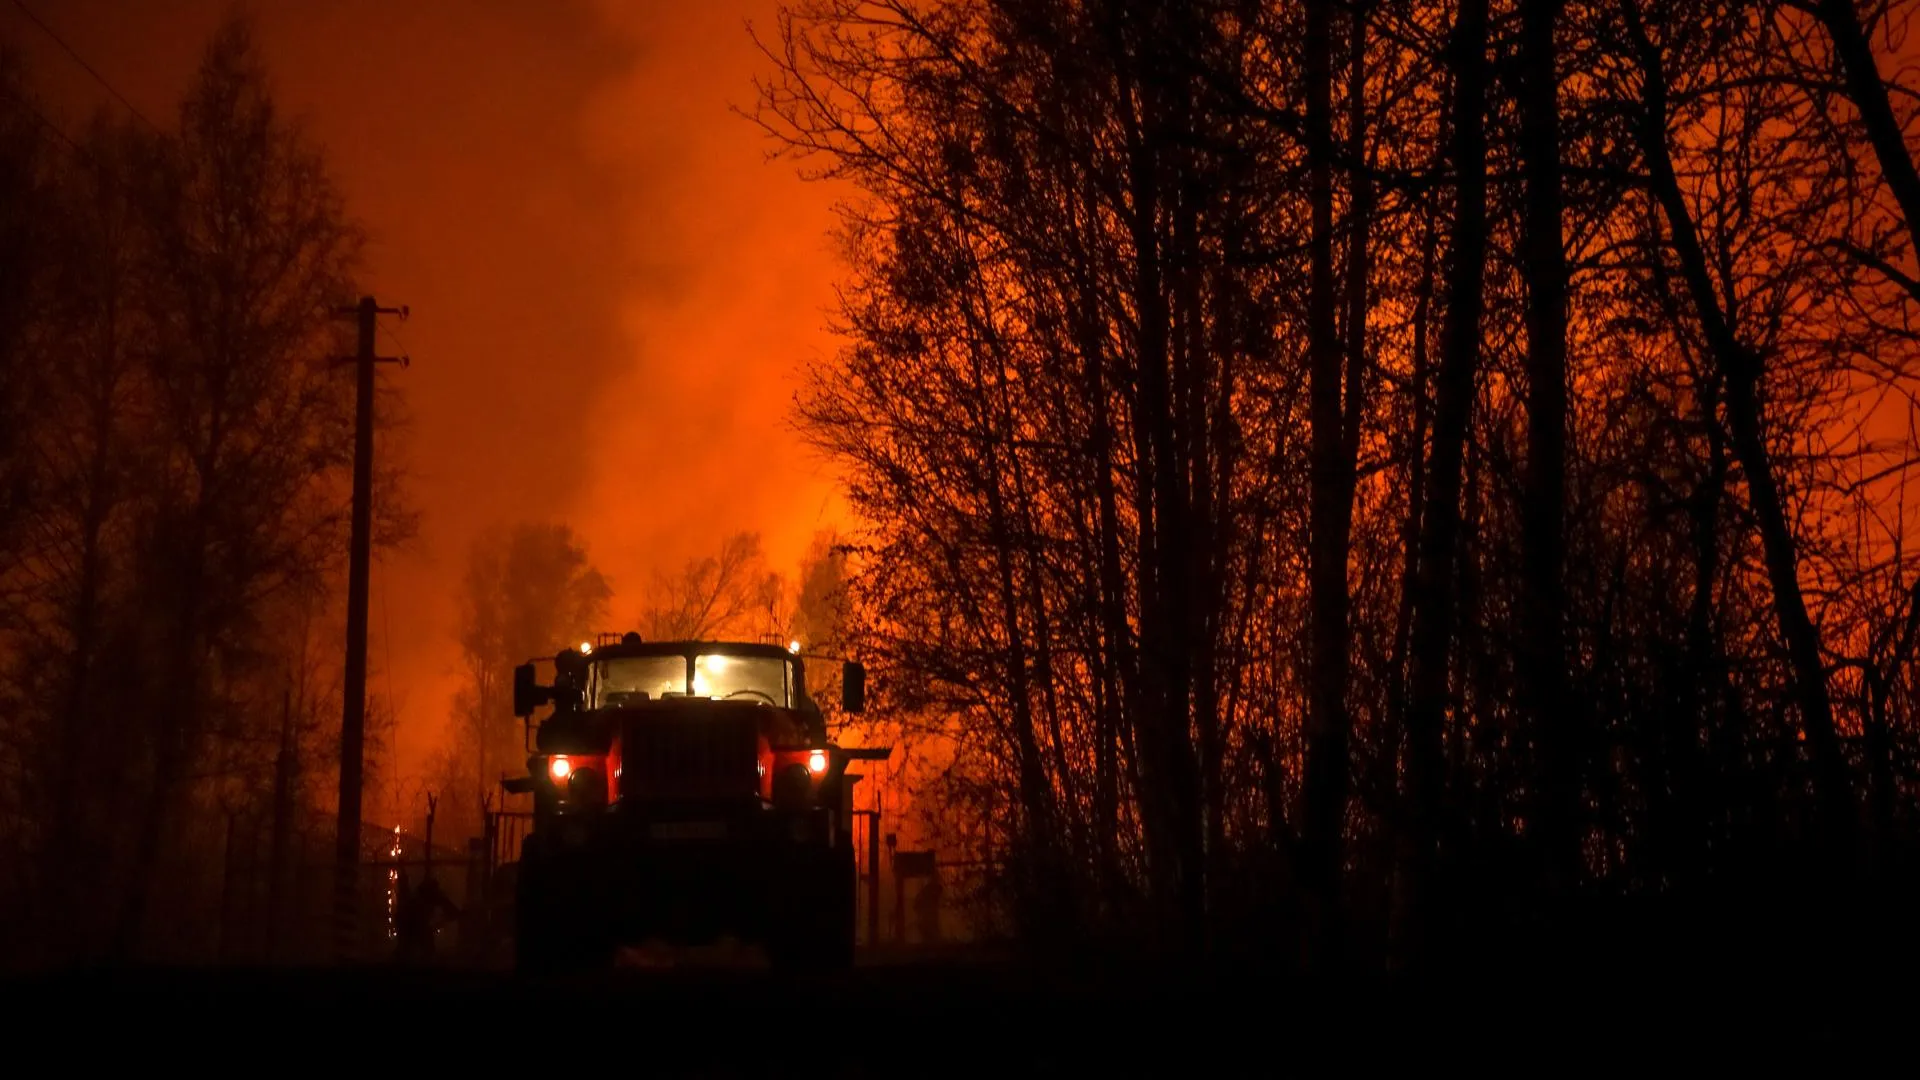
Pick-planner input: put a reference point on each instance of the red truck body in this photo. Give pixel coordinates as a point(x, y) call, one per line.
point(685, 791)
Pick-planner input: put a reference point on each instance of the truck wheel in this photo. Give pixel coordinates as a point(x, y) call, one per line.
point(556, 931)
point(814, 929)
point(800, 948)
point(546, 952)
point(837, 937)
point(838, 910)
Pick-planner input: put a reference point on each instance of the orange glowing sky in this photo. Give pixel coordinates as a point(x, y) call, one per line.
point(613, 290)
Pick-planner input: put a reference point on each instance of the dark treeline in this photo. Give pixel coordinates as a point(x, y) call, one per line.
point(1386, 473)
point(528, 591)
point(175, 452)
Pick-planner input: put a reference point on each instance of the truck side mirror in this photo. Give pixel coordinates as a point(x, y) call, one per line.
point(853, 686)
point(528, 695)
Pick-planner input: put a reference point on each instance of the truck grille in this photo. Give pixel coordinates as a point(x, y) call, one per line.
point(684, 757)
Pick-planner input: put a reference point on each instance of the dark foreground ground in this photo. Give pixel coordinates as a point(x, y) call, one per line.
point(905, 1017)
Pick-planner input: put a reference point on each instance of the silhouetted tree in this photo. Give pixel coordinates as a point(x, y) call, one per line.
point(528, 592)
point(728, 593)
point(182, 507)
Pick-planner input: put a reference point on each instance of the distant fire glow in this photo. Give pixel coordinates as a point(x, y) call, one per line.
point(393, 887)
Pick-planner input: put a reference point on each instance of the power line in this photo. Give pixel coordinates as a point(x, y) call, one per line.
point(395, 335)
point(56, 129)
point(78, 59)
point(58, 132)
point(84, 157)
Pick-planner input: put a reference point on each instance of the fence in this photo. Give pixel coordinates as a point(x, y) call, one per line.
point(277, 899)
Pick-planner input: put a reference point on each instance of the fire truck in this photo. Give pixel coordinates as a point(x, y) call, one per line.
point(684, 791)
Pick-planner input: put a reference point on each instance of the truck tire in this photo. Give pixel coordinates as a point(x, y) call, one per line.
point(557, 930)
point(813, 930)
point(839, 912)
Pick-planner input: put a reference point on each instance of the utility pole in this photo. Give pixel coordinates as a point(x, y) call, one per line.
point(353, 721)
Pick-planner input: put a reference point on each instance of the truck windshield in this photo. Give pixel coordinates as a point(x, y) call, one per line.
point(624, 680)
point(742, 678)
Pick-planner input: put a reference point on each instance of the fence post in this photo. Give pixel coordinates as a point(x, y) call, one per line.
point(873, 877)
point(224, 949)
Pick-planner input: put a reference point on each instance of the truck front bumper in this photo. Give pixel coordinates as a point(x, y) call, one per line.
point(686, 873)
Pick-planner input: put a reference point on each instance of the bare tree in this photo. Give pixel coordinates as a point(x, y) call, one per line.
point(1435, 595)
point(730, 592)
point(1555, 722)
point(1741, 370)
point(528, 592)
point(1239, 594)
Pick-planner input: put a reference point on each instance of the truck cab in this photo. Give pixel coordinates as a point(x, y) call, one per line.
point(684, 790)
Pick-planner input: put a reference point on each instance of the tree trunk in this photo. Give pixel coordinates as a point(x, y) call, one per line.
point(1415, 450)
point(1706, 664)
point(176, 722)
point(1868, 92)
point(1199, 582)
point(282, 826)
point(1166, 758)
point(1543, 250)
point(1115, 672)
point(1740, 371)
point(1359, 255)
point(65, 861)
point(1328, 724)
point(1453, 412)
